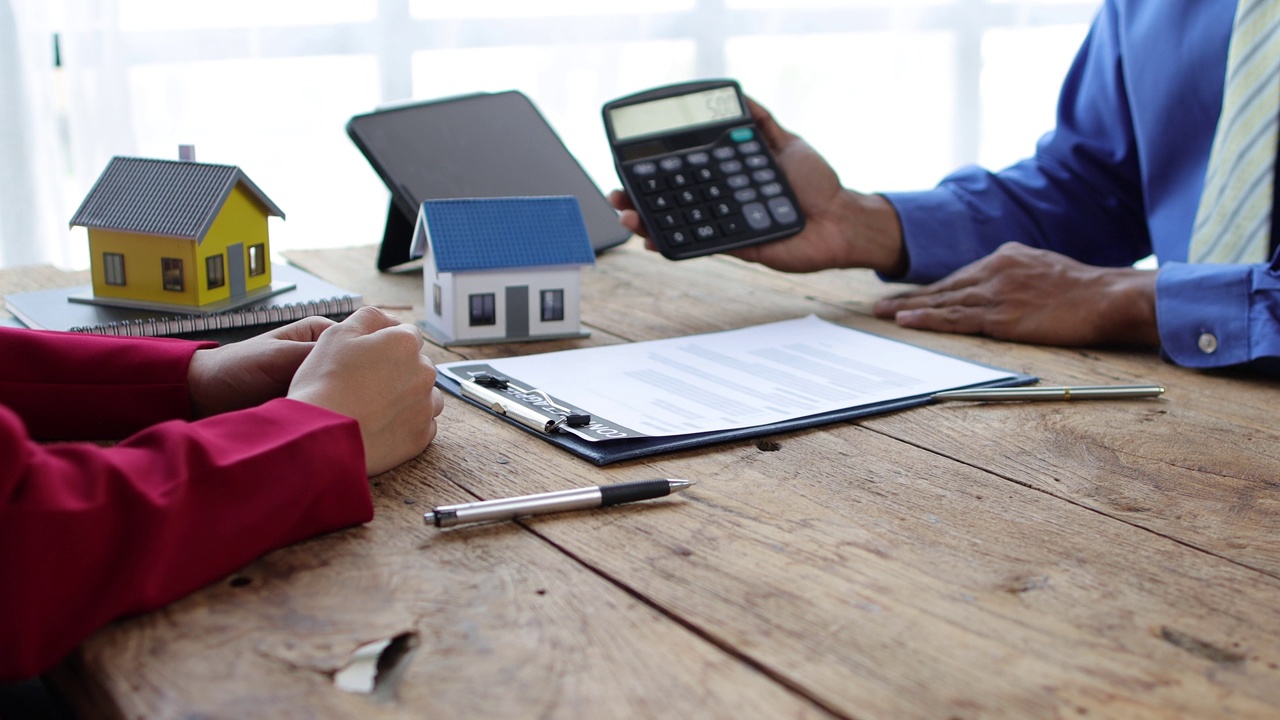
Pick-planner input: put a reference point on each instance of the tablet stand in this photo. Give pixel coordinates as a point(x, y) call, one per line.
point(397, 239)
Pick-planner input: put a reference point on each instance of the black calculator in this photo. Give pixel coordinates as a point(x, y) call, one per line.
point(697, 169)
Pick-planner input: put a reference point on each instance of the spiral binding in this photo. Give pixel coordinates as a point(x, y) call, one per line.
point(245, 317)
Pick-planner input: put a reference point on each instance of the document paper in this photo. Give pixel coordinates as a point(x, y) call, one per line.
point(727, 380)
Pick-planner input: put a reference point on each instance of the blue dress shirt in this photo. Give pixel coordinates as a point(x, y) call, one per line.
point(1119, 178)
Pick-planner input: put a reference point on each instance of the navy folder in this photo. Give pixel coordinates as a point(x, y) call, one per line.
point(605, 452)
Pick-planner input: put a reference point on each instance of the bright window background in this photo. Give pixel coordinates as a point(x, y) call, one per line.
point(895, 93)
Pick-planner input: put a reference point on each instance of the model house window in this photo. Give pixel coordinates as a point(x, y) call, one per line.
point(482, 309)
point(171, 269)
point(437, 299)
point(216, 271)
point(552, 305)
point(113, 268)
point(257, 259)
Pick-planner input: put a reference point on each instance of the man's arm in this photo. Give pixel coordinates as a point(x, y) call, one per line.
point(1219, 315)
point(1080, 195)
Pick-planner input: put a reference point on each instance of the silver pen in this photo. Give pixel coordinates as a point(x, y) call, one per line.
point(512, 409)
point(577, 499)
point(1077, 392)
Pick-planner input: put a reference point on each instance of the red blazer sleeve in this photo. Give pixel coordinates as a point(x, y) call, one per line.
point(89, 534)
point(72, 386)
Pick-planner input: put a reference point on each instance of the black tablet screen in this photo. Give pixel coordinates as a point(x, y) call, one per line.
point(484, 145)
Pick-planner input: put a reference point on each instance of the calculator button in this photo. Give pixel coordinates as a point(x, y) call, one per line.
point(724, 152)
point(668, 220)
point(756, 162)
point(757, 217)
point(749, 148)
point(771, 190)
point(687, 197)
point(745, 195)
point(741, 134)
point(713, 192)
point(696, 215)
point(670, 164)
point(678, 237)
point(661, 202)
point(729, 167)
point(731, 226)
point(783, 211)
point(698, 158)
point(722, 209)
point(651, 185)
point(678, 180)
point(704, 175)
point(764, 176)
point(644, 168)
point(704, 232)
point(738, 181)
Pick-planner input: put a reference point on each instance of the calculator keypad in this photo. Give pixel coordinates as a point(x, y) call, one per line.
point(721, 196)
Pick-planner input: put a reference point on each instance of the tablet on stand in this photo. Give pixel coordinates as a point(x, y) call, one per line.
point(480, 145)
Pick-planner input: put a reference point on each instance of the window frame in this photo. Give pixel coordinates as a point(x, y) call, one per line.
point(171, 269)
point(221, 271)
point(486, 314)
point(556, 307)
point(113, 269)
point(257, 259)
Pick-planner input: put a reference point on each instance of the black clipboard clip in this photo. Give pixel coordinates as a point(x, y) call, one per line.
point(484, 389)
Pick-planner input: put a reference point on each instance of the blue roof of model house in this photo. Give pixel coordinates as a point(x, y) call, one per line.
point(470, 234)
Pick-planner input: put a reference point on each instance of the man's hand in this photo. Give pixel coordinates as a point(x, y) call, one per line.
point(1028, 295)
point(370, 367)
point(842, 228)
point(253, 371)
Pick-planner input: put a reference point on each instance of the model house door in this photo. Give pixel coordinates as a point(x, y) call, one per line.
point(235, 269)
point(517, 311)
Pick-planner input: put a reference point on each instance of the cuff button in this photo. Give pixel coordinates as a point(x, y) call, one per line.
point(1208, 343)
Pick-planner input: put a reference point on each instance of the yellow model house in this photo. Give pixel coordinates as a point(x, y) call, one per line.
point(177, 235)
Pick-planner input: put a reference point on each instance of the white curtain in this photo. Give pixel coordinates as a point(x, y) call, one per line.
point(894, 93)
point(99, 105)
point(62, 122)
point(30, 205)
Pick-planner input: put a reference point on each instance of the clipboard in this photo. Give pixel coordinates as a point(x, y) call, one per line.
point(547, 424)
point(612, 451)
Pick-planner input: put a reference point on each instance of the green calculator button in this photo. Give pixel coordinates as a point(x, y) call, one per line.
point(741, 134)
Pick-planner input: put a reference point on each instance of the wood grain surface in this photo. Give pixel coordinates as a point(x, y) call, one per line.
point(960, 560)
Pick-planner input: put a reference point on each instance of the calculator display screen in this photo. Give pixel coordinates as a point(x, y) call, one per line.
point(676, 113)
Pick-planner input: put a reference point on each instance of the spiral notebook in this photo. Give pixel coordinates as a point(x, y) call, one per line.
point(51, 310)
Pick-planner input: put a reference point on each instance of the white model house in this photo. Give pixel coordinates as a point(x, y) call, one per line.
point(502, 269)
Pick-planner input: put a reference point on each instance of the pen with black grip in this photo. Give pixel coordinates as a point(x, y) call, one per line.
point(560, 501)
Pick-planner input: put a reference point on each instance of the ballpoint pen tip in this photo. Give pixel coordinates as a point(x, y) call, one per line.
point(429, 518)
point(678, 484)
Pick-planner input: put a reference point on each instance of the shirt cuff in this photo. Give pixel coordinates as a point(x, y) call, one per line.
point(1203, 313)
point(938, 234)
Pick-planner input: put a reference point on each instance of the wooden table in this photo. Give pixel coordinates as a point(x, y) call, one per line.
point(963, 560)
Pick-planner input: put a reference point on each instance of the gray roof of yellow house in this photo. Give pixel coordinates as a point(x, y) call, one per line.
point(171, 198)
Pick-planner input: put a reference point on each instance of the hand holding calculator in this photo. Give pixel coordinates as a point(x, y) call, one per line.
point(698, 170)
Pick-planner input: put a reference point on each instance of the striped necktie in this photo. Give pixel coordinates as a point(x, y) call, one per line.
point(1233, 222)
